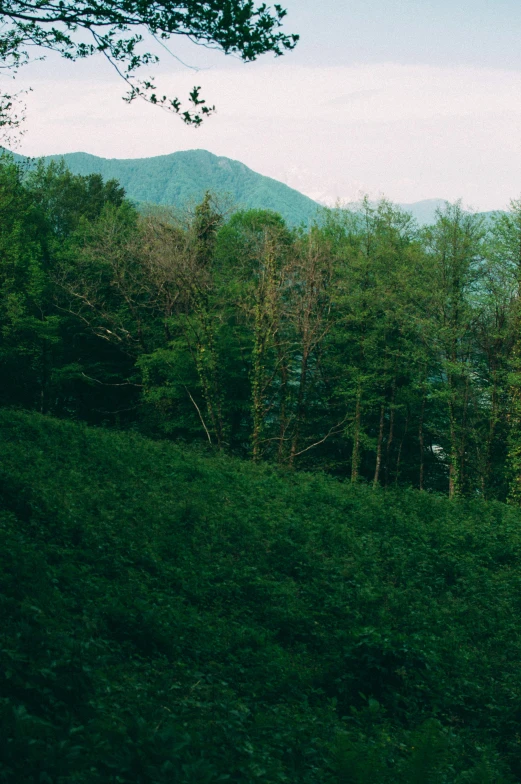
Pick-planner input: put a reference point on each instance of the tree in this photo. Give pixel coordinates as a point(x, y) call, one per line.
point(27, 329)
point(455, 246)
point(252, 259)
point(507, 235)
point(116, 29)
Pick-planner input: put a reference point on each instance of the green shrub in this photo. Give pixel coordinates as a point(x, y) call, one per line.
point(174, 617)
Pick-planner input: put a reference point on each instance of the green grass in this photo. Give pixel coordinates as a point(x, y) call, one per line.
point(172, 616)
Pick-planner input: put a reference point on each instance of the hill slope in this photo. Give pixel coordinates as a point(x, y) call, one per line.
point(173, 617)
point(185, 176)
point(424, 212)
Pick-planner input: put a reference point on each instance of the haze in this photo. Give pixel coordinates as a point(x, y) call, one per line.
point(408, 99)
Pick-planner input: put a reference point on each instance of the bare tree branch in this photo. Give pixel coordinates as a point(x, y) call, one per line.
point(200, 415)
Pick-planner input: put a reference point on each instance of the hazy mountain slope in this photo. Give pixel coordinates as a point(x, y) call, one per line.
point(424, 211)
point(185, 176)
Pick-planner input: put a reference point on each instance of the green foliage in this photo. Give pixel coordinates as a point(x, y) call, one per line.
point(67, 199)
point(171, 616)
point(184, 177)
point(363, 345)
point(45, 358)
point(172, 613)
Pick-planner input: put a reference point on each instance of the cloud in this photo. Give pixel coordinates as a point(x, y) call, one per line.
point(350, 98)
point(411, 132)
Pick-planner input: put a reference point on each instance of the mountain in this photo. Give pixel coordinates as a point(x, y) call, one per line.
point(185, 177)
point(424, 212)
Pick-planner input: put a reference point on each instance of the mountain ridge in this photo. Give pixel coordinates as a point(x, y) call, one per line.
point(184, 176)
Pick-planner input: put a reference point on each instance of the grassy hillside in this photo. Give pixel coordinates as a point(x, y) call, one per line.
point(175, 617)
point(185, 176)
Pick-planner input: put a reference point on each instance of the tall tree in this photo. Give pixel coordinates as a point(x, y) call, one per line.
point(376, 260)
point(455, 246)
point(310, 315)
point(507, 250)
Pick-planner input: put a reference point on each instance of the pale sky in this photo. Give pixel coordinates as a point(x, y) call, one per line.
point(409, 99)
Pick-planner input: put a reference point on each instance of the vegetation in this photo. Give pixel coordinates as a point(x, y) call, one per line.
point(182, 179)
point(237, 574)
point(176, 617)
point(363, 346)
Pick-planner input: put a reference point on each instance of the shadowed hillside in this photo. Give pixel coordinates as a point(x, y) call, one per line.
point(175, 617)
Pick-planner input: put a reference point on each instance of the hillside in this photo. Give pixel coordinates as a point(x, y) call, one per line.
point(185, 177)
point(170, 616)
point(425, 212)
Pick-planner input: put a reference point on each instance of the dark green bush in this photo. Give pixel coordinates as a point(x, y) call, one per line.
point(171, 617)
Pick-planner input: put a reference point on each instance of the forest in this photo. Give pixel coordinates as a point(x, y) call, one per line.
point(259, 491)
point(362, 345)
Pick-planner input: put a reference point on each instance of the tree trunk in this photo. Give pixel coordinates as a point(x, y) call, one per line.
point(379, 447)
point(355, 458)
point(283, 417)
point(421, 439)
point(453, 459)
point(300, 404)
point(398, 459)
point(257, 394)
point(391, 432)
point(462, 445)
point(494, 418)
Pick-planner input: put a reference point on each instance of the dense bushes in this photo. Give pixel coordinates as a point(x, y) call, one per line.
point(170, 616)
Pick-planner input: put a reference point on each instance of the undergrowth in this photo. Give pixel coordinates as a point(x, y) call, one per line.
point(169, 616)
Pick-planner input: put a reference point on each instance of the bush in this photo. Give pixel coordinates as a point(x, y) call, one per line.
point(175, 617)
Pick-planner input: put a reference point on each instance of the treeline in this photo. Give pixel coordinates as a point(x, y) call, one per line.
point(365, 346)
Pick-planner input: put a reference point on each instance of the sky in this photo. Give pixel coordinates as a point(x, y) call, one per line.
point(408, 99)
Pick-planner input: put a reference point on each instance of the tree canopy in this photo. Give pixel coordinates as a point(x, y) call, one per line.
point(116, 29)
point(362, 346)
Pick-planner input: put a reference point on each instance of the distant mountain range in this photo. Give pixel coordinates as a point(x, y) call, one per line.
point(425, 211)
point(185, 176)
